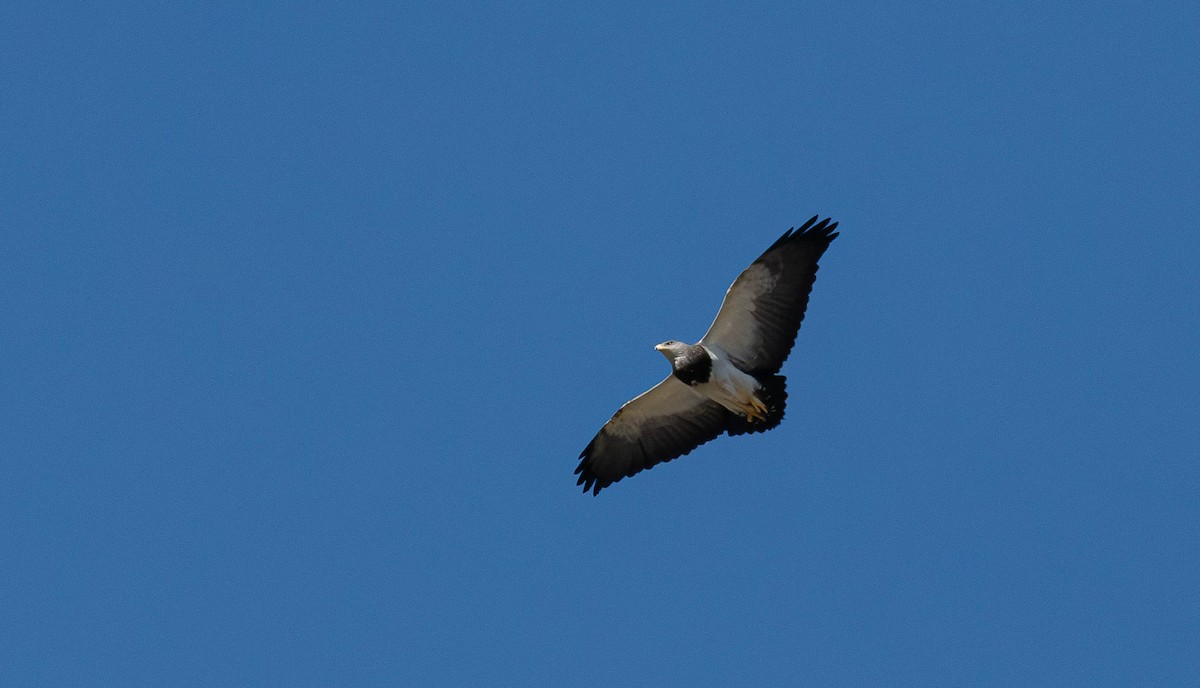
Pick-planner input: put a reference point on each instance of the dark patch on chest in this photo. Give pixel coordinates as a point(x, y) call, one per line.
point(694, 367)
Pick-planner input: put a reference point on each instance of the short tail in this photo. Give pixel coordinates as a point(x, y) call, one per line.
point(773, 395)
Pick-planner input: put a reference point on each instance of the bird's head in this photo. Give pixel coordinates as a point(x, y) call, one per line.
point(672, 349)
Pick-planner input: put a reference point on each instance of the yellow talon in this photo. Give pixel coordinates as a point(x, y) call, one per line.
point(756, 411)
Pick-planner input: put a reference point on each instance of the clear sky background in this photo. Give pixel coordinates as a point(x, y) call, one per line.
point(309, 308)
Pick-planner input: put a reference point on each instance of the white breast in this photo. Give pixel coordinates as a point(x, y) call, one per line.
point(727, 385)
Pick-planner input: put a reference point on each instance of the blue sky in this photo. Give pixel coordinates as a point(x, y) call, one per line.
point(309, 309)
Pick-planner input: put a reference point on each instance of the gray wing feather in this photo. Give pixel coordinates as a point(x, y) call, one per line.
point(762, 311)
point(664, 423)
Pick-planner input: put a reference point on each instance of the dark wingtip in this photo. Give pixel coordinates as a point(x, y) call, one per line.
point(821, 231)
point(588, 483)
point(592, 484)
point(587, 478)
point(809, 231)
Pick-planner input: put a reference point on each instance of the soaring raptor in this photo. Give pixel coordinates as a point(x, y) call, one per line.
point(728, 381)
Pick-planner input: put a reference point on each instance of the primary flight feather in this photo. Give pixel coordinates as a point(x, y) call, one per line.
point(725, 383)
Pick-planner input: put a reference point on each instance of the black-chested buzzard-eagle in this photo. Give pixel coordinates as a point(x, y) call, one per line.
point(728, 381)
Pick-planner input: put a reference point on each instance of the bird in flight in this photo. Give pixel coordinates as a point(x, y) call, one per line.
point(728, 382)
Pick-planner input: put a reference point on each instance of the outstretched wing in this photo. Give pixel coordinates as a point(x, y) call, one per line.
point(665, 422)
point(762, 310)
